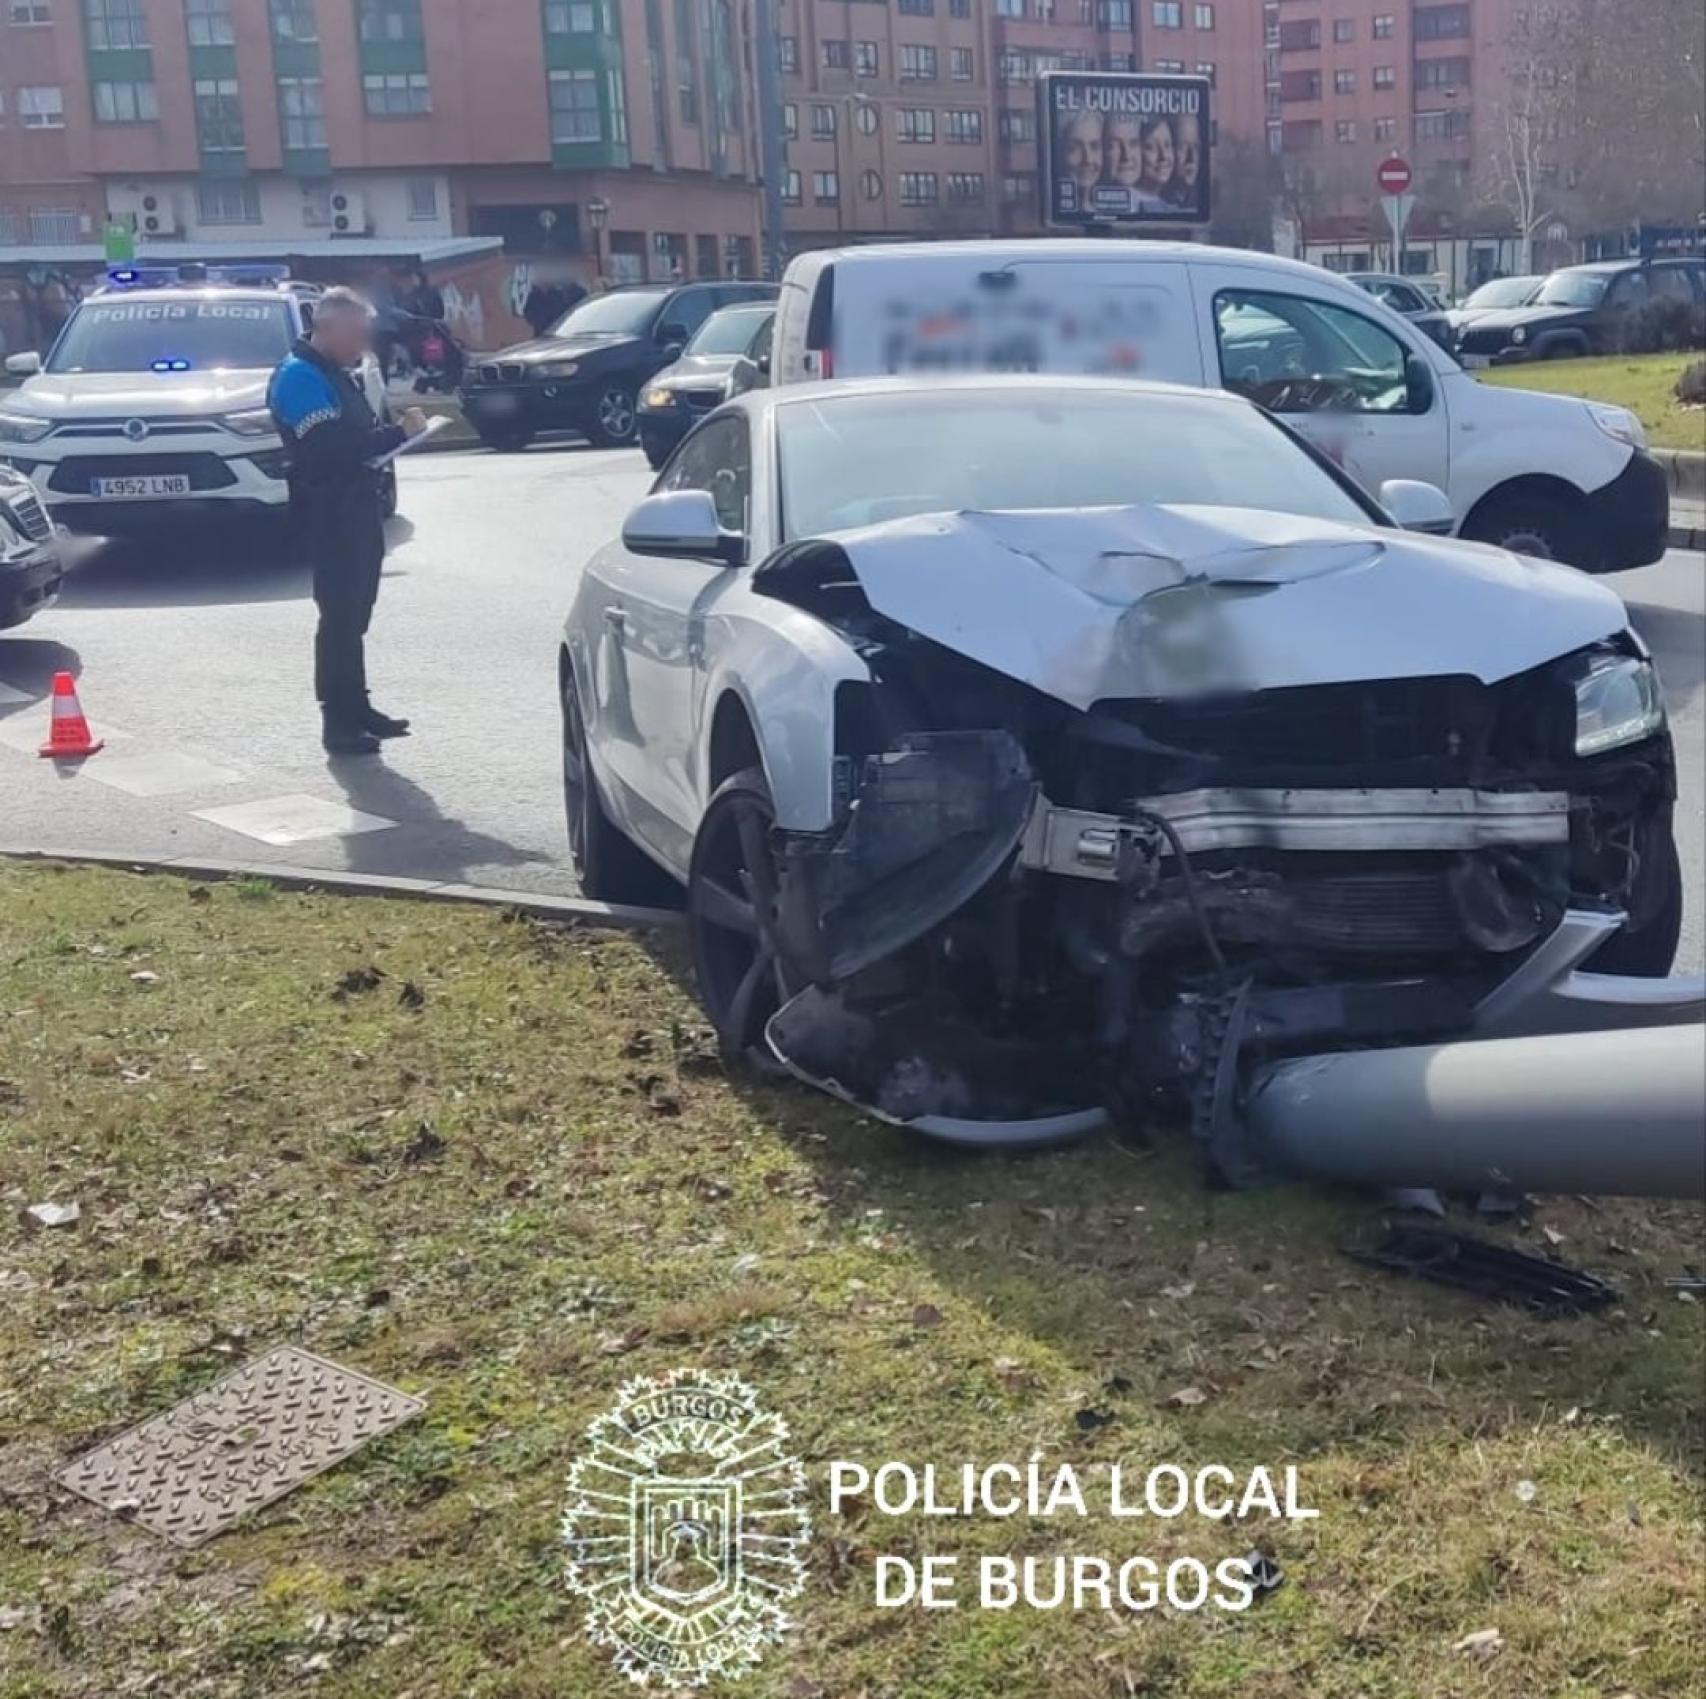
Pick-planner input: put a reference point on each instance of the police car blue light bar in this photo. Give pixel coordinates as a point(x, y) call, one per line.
point(238, 276)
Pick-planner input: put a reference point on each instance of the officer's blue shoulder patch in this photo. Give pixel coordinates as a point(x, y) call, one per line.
point(301, 397)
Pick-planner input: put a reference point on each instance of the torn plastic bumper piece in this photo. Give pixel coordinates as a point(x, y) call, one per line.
point(1487, 1270)
point(932, 822)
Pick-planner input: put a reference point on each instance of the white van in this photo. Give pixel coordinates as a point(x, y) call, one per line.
point(1545, 475)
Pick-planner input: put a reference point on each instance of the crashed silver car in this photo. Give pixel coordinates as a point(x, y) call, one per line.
point(1033, 749)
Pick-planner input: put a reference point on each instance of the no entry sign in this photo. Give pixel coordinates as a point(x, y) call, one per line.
point(1394, 176)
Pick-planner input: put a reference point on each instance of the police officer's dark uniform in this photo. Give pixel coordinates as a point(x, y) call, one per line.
point(331, 434)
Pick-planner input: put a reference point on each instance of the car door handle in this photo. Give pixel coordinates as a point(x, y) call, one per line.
point(616, 619)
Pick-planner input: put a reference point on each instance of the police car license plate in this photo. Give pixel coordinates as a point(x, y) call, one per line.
point(134, 489)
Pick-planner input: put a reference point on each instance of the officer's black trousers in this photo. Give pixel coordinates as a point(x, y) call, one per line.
point(347, 563)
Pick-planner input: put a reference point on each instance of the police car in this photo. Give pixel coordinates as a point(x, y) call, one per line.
point(150, 408)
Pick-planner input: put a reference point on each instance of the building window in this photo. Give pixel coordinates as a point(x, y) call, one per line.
point(915, 124)
point(218, 115)
point(1441, 23)
point(1385, 76)
point(1384, 25)
point(1167, 14)
point(1122, 62)
point(919, 8)
point(1113, 14)
point(871, 186)
point(1442, 73)
point(964, 126)
point(965, 187)
point(1206, 68)
point(1344, 29)
point(1203, 16)
point(574, 17)
point(867, 61)
point(918, 188)
point(227, 203)
point(791, 188)
point(575, 115)
point(1170, 67)
point(301, 106)
point(686, 89)
point(836, 55)
point(917, 64)
point(826, 187)
point(1344, 129)
point(959, 8)
point(788, 52)
point(115, 23)
point(42, 108)
point(209, 23)
point(1010, 8)
point(823, 122)
point(1385, 129)
point(1344, 82)
point(391, 20)
point(397, 94)
point(294, 20)
point(961, 66)
point(125, 103)
point(1020, 186)
point(31, 11)
point(790, 121)
point(1018, 126)
point(1441, 126)
point(423, 197)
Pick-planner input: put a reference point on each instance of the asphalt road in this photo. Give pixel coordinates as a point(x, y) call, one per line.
point(196, 665)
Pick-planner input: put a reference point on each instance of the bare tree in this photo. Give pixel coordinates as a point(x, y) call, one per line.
point(1521, 166)
point(1245, 181)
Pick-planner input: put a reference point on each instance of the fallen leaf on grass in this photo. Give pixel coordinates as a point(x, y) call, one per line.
point(411, 996)
point(926, 1315)
point(615, 1344)
point(1089, 1420)
point(143, 977)
point(14, 1616)
point(1483, 1643)
point(425, 1146)
point(1011, 1375)
point(356, 981)
point(1188, 1397)
point(1183, 1290)
point(54, 1214)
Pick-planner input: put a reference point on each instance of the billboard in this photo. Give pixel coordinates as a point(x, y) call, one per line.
point(1122, 147)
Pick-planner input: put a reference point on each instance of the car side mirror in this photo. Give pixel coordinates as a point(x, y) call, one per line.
point(23, 365)
point(1418, 384)
point(1418, 507)
point(744, 374)
point(682, 525)
point(673, 336)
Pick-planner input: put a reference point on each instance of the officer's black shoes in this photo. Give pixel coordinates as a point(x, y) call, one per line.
point(382, 725)
point(339, 738)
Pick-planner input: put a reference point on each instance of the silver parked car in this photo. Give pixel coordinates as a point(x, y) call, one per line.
point(1002, 729)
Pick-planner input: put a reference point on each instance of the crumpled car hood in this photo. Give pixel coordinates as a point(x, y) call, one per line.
point(1091, 604)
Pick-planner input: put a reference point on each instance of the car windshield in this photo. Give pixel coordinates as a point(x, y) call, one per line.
point(1573, 289)
point(848, 461)
point(1504, 292)
point(728, 333)
point(195, 334)
point(623, 312)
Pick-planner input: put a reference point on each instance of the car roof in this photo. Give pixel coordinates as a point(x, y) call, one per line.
point(194, 292)
point(973, 383)
point(735, 307)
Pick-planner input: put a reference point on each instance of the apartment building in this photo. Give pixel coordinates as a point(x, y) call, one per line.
point(619, 134)
point(918, 117)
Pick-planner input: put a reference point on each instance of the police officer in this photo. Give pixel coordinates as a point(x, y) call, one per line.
point(333, 437)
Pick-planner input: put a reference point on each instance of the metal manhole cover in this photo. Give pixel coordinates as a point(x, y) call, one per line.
point(250, 1438)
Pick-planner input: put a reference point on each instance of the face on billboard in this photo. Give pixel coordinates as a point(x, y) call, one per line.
point(1126, 147)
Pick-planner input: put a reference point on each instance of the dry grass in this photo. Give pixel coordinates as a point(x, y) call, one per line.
point(596, 1201)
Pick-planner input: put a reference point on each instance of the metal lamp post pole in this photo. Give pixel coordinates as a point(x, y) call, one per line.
point(770, 133)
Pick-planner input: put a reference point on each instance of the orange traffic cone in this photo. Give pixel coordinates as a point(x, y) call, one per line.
point(70, 736)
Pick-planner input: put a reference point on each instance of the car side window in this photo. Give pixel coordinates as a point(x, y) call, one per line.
point(760, 349)
point(1293, 354)
point(716, 458)
point(1628, 292)
point(684, 314)
point(1670, 283)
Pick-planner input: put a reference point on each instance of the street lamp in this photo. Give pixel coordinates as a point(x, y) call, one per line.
point(598, 215)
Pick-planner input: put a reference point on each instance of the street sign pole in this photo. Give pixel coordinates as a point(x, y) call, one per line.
point(1398, 220)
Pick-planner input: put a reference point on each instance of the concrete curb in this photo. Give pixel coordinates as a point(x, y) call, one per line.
point(1686, 471)
point(292, 878)
point(1691, 537)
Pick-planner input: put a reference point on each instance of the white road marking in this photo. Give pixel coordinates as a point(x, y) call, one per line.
point(163, 772)
point(283, 820)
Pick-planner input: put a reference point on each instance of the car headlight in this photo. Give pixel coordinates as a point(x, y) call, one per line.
point(557, 369)
point(1618, 701)
point(660, 397)
point(23, 427)
point(1618, 423)
point(255, 422)
point(1519, 335)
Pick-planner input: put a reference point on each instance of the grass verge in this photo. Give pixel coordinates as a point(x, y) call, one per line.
point(1644, 383)
point(597, 1200)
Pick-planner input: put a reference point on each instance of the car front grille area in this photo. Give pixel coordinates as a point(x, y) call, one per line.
point(74, 476)
point(701, 400)
point(502, 371)
point(27, 515)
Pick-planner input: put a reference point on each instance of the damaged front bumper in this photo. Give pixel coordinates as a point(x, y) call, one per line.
point(993, 969)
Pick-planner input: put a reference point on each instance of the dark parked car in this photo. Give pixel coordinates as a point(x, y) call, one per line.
point(1408, 299)
point(1494, 296)
point(1583, 309)
point(729, 355)
point(30, 569)
point(587, 372)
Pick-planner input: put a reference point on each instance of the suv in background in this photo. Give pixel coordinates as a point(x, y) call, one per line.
point(586, 373)
point(1408, 299)
point(1583, 309)
point(151, 407)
